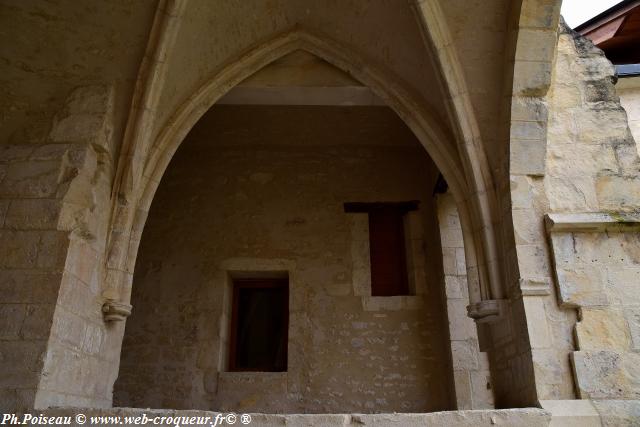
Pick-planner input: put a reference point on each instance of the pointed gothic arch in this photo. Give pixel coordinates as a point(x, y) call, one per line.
point(427, 130)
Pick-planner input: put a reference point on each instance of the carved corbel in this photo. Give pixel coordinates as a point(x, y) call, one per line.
point(487, 311)
point(115, 311)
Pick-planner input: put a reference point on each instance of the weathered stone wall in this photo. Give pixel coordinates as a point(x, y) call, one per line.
point(603, 178)
point(592, 164)
point(54, 195)
point(591, 186)
point(599, 273)
point(262, 188)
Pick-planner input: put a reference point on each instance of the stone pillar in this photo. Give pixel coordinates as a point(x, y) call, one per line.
point(54, 210)
point(472, 378)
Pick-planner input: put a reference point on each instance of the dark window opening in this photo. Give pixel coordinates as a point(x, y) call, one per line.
point(387, 245)
point(259, 325)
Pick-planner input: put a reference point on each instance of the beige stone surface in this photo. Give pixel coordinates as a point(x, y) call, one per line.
point(598, 125)
point(618, 412)
point(603, 329)
point(606, 374)
point(51, 194)
point(591, 169)
point(572, 413)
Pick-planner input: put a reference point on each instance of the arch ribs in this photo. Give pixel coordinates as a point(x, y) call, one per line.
point(144, 159)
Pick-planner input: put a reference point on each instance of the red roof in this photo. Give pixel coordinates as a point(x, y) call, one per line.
point(616, 31)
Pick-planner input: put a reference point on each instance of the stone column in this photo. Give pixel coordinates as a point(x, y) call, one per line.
point(472, 378)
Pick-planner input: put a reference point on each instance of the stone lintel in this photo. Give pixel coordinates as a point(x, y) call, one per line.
point(580, 413)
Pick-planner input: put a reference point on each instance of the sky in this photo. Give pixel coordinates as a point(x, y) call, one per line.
point(575, 12)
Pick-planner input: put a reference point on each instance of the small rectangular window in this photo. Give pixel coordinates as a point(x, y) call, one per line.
point(259, 325)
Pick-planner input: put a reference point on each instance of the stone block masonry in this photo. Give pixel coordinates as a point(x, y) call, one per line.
point(53, 195)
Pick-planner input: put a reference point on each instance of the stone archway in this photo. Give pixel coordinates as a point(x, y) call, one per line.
point(71, 237)
point(270, 196)
point(427, 131)
point(479, 178)
point(138, 197)
point(144, 158)
point(418, 120)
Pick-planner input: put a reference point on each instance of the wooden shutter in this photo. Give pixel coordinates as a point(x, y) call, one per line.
point(387, 249)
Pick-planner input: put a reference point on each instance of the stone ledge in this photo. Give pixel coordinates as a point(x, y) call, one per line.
point(592, 413)
point(568, 413)
point(592, 221)
point(535, 287)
